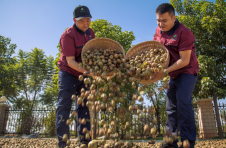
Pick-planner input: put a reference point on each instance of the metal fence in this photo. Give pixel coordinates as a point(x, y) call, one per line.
point(222, 115)
point(136, 125)
point(42, 122)
point(196, 120)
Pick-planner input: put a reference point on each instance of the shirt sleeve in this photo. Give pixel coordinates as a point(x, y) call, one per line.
point(67, 45)
point(186, 40)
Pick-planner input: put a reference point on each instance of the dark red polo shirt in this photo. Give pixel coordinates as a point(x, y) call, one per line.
point(71, 44)
point(177, 39)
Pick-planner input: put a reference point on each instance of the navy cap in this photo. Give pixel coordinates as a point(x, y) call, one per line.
point(81, 11)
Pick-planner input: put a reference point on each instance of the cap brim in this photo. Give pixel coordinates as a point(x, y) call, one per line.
point(84, 16)
point(79, 18)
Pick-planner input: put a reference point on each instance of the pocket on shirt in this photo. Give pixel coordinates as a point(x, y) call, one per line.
point(171, 43)
point(79, 45)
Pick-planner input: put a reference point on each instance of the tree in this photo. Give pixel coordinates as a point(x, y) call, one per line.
point(24, 79)
point(6, 51)
point(157, 97)
point(209, 19)
point(103, 28)
point(6, 63)
point(49, 97)
point(32, 71)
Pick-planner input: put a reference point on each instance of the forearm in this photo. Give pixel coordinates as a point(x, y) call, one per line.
point(74, 65)
point(177, 65)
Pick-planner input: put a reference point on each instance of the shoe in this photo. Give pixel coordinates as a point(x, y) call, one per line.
point(62, 146)
point(84, 142)
point(151, 142)
point(167, 146)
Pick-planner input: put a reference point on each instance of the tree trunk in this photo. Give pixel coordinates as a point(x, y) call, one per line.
point(220, 132)
point(117, 128)
point(158, 119)
point(94, 131)
point(76, 130)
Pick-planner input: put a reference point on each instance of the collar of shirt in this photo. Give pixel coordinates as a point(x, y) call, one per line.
point(81, 32)
point(172, 30)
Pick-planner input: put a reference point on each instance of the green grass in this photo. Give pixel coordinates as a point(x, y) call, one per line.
point(157, 138)
point(217, 137)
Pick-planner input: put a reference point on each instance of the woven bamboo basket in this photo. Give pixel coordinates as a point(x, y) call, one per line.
point(103, 43)
point(141, 48)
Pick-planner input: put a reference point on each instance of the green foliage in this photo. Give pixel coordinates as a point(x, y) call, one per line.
point(6, 51)
point(26, 121)
point(49, 98)
point(212, 78)
point(50, 123)
point(29, 76)
point(50, 95)
point(6, 63)
point(158, 100)
point(103, 28)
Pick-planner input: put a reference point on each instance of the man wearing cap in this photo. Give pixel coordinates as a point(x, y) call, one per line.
point(71, 44)
point(183, 71)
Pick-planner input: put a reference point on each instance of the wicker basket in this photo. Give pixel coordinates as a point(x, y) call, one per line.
point(141, 47)
point(103, 43)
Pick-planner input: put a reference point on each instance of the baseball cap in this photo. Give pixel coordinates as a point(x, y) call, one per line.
point(81, 11)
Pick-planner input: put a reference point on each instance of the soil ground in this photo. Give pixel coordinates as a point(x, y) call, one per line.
point(52, 143)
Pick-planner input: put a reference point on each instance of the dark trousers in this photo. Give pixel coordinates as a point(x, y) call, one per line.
point(69, 85)
point(179, 108)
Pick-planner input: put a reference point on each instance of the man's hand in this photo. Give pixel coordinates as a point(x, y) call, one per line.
point(90, 74)
point(183, 61)
point(74, 65)
point(160, 75)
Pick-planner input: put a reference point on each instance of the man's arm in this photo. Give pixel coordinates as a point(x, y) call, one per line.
point(74, 65)
point(182, 62)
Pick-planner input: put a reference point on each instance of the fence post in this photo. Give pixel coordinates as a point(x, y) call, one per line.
point(207, 124)
point(4, 115)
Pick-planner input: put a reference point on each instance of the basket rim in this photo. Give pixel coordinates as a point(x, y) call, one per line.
point(145, 42)
point(102, 38)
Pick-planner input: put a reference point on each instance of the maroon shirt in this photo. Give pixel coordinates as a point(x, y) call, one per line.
point(177, 39)
point(71, 44)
